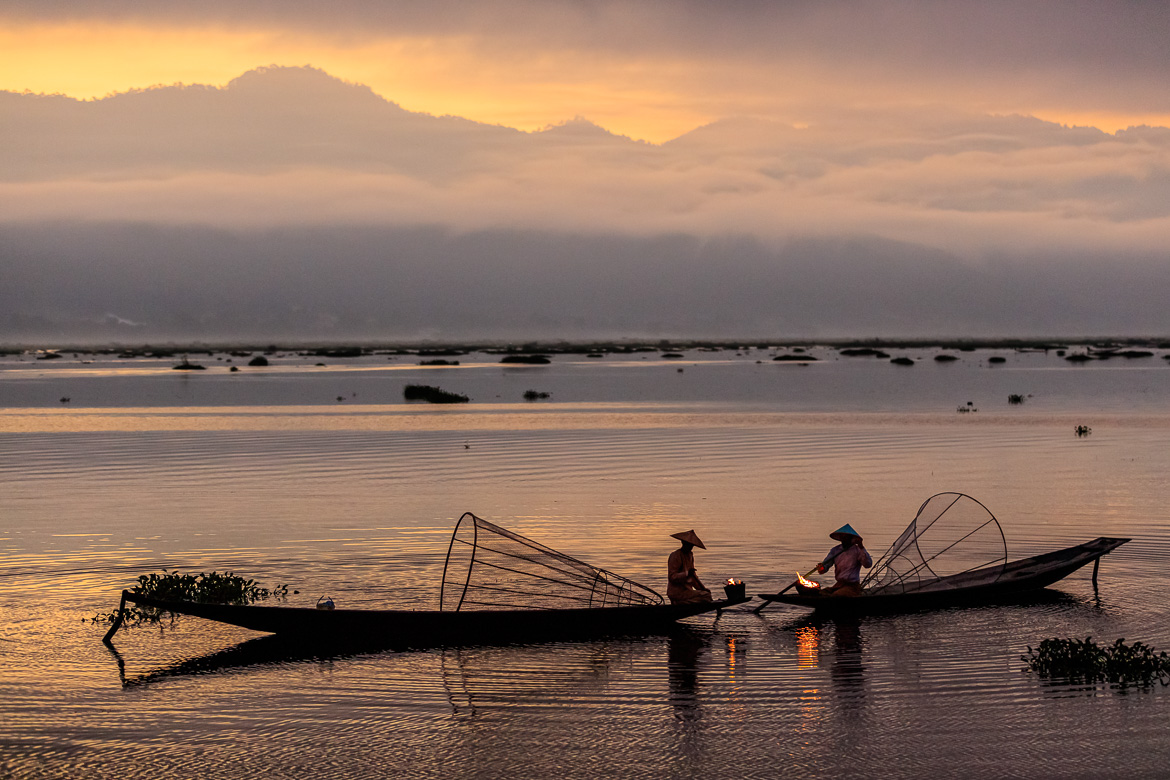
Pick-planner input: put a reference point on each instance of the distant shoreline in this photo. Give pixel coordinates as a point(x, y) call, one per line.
point(358, 347)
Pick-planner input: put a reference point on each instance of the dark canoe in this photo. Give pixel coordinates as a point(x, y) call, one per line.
point(408, 628)
point(975, 587)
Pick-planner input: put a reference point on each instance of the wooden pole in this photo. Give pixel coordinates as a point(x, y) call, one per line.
point(1096, 565)
point(792, 584)
point(117, 621)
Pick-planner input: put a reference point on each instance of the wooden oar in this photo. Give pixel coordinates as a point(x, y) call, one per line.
point(790, 586)
point(812, 571)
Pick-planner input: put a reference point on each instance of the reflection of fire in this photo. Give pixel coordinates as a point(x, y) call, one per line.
point(808, 638)
point(805, 582)
point(734, 582)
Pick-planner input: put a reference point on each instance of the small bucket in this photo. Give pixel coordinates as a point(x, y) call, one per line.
point(734, 592)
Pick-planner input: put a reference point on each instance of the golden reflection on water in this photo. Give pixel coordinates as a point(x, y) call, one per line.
point(498, 417)
point(808, 640)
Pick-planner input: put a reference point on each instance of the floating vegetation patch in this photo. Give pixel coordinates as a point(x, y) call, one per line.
point(672, 355)
point(1083, 430)
point(1084, 661)
point(535, 395)
point(1079, 357)
point(214, 588)
point(433, 395)
point(438, 362)
point(794, 358)
point(259, 360)
point(187, 365)
point(945, 358)
point(532, 360)
point(1015, 398)
point(997, 359)
point(339, 352)
point(863, 352)
point(902, 361)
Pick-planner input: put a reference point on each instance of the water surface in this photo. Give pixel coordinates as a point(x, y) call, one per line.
point(356, 499)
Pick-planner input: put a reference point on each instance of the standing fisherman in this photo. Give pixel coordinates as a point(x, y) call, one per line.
point(847, 558)
point(684, 585)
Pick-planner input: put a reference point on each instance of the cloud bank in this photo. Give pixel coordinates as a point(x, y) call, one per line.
point(293, 203)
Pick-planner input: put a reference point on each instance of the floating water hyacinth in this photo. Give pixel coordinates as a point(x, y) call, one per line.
point(1084, 661)
point(434, 395)
point(213, 588)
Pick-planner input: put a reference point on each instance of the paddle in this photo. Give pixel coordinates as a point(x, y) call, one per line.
point(792, 584)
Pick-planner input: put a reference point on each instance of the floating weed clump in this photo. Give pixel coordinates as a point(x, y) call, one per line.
point(531, 360)
point(433, 395)
point(187, 365)
point(1084, 661)
point(214, 588)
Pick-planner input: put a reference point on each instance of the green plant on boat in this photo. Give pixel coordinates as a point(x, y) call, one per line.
point(1084, 661)
point(213, 588)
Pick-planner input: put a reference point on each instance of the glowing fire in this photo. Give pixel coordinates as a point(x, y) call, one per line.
point(734, 582)
point(805, 582)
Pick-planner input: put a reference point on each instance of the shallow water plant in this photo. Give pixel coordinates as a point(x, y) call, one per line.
point(213, 588)
point(1084, 661)
point(433, 395)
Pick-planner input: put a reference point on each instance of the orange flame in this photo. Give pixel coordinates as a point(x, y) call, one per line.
point(804, 581)
point(734, 582)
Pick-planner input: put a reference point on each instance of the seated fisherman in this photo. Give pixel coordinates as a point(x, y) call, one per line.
point(847, 558)
point(683, 585)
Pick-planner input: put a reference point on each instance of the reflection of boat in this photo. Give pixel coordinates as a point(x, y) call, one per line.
point(497, 587)
point(952, 553)
point(259, 651)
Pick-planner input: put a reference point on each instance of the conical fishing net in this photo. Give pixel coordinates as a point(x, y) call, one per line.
point(954, 541)
point(489, 567)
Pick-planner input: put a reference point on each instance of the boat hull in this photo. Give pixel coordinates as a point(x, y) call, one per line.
point(421, 628)
point(1018, 578)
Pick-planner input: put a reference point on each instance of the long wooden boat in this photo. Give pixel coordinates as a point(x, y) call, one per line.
point(982, 585)
point(427, 628)
point(497, 587)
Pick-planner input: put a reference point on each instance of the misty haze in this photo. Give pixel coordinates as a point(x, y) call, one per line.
point(292, 204)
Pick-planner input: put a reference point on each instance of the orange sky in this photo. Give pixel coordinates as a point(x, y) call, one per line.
point(654, 95)
point(921, 148)
point(431, 75)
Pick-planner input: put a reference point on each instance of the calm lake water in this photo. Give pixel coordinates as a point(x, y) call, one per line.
point(266, 473)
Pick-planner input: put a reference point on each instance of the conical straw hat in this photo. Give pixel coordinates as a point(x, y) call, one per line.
point(690, 536)
point(843, 531)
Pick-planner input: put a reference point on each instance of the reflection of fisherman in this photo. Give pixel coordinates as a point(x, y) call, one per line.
point(684, 585)
point(847, 558)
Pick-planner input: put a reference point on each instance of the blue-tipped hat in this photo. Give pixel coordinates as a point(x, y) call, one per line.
point(843, 531)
